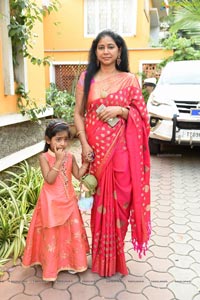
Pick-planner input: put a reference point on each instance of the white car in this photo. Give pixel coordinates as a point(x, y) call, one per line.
point(174, 106)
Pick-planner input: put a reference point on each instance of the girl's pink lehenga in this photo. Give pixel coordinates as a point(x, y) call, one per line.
point(57, 239)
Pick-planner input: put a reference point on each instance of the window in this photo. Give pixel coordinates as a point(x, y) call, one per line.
point(65, 75)
point(117, 15)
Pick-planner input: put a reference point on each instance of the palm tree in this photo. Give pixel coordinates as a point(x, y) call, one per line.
point(187, 19)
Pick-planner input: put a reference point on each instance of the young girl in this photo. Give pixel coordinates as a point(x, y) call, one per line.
point(57, 239)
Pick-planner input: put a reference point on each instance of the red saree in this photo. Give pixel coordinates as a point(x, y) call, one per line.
point(122, 167)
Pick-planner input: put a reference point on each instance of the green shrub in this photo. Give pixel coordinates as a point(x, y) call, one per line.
point(62, 102)
point(18, 196)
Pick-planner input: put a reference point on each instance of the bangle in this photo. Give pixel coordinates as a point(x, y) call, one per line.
point(55, 169)
point(123, 110)
point(84, 167)
point(79, 132)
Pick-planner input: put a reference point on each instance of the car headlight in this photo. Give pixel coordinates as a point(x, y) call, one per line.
point(159, 100)
point(160, 107)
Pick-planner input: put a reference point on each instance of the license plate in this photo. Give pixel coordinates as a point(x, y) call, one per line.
point(188, 135)
point(195, 112)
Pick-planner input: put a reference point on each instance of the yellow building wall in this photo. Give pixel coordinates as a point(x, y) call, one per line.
point(143, 29)
point(64, 29)
point(64, 37)
point(35, 75)
point(61, 36)
point(138, 55)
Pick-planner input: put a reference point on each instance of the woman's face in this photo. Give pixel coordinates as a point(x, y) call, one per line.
point(107, 51)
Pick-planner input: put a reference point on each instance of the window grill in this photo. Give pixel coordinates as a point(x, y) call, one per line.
point(151, 70)
point(66, 76)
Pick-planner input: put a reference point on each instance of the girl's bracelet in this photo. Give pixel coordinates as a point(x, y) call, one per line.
point(55, 169)
point(85, 167)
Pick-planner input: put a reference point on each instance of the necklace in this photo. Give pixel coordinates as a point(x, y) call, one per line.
point(103, 93)
point(104, 90)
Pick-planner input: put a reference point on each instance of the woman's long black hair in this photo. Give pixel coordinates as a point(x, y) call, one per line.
point(53, 128)
point(92, 67)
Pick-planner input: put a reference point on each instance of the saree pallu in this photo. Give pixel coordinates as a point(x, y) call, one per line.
point(122, 167)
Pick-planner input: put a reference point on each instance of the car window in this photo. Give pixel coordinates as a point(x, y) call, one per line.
point(180, 74)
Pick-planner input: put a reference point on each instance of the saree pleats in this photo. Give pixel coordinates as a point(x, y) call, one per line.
point(109, 220)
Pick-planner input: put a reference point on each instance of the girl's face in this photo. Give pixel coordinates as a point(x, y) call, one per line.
point(59, 141)
point(107, 51)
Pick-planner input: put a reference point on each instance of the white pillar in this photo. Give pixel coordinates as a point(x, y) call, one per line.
point(7, 61)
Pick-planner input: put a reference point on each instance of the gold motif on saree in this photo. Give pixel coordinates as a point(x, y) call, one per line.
point(126, 205)
point(98, 191)
point(146, 188)
point(120, 223)
point(148, 207)
point(101, 209)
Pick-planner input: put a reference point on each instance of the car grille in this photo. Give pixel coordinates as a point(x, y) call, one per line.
point(188, 125)
point(185, 106)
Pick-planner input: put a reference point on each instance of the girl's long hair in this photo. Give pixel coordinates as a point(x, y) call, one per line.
point(92, 67)
point(53, 128)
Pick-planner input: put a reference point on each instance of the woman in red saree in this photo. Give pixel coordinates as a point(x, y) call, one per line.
point(118, 152)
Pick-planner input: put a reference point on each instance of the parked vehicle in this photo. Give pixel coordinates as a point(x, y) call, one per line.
point(174, 106)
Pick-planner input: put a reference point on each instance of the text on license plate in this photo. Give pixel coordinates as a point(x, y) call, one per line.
point(195, 134)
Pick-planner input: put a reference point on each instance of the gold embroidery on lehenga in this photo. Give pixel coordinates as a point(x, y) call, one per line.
point(63, 170)
point(64, 255)
point(51, 247)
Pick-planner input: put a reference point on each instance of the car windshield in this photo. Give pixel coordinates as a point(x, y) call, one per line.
point(181, 74)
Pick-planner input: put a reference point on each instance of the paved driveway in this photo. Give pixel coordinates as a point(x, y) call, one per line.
point(171, 269)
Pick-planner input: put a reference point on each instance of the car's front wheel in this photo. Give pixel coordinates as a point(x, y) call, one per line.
point(154, 147)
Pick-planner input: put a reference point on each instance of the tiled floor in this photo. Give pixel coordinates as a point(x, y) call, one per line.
point(171, 268)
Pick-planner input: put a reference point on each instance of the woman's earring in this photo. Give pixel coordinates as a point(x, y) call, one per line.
point(118, 61)
point(97, 63)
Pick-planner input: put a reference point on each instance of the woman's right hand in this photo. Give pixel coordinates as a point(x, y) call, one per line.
point(87, 153)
